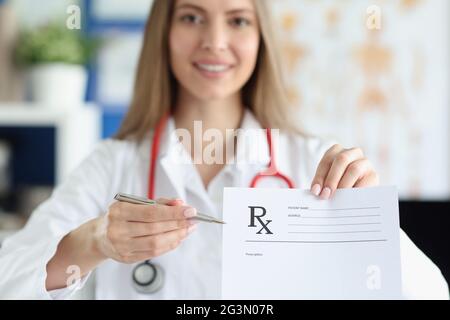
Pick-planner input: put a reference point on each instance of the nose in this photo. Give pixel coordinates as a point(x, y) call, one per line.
point(215, 37)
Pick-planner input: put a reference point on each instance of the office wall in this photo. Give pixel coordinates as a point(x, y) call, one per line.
point(383, 89)
point(31, 13)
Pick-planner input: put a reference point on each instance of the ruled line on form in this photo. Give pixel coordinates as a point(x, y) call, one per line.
point(332, 225)
point(324, 241)
point(340, 217)
point(333, 232)
point(338, 209)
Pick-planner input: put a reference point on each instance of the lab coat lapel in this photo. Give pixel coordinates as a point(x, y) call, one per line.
point(174, 174)
point(171, 165)
point(252, 149)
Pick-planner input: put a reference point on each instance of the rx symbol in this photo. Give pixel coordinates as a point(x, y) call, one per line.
point(254, 217)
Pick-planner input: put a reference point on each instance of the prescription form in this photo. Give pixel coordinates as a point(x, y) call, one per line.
point(289, 244)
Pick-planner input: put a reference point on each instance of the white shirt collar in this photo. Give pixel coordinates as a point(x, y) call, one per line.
point(252, 154)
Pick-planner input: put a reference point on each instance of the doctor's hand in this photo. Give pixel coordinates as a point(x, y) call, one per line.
point(342, 168)
point(132, 233)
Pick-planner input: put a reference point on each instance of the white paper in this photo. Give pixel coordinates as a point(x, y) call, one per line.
point(343, 248)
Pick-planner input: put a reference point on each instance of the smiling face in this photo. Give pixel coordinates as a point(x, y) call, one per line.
point(213, 46)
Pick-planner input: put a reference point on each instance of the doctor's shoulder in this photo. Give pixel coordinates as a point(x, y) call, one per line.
point(104, 165)
point(111, 151)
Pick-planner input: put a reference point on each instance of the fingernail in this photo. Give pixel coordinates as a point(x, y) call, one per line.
point(176, 201)
point(326, 192)
point(191, 229)
point(316, 189)
point(190, 212)
point(192, 222)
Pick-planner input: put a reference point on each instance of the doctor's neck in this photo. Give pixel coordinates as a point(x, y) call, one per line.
point(219, 114)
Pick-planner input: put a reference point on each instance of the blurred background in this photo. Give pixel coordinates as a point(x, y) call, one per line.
point(373, 74)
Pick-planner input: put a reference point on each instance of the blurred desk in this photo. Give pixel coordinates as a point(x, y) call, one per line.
point(77, 130)
point(9, 224)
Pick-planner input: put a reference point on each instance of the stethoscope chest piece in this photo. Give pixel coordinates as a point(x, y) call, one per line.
point(148, 277)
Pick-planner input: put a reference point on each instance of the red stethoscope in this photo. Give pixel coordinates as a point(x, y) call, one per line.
point(149, 277)
point(271, 170)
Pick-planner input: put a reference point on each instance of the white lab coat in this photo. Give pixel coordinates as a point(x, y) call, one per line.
point(193, 270)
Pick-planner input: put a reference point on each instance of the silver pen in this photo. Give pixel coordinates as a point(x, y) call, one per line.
point(123, 197)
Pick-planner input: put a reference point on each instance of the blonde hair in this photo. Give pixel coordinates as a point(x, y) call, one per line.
point(155, 85)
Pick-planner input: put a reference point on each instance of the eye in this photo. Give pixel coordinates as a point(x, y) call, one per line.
point(191, 18)
point(240, 22)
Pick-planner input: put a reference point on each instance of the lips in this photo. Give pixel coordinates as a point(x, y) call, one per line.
point(212, 69)
point(215, 67)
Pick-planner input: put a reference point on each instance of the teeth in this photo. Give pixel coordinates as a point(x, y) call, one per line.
point(213, 67)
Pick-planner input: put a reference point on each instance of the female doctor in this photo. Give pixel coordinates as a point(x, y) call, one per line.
point(213, 61)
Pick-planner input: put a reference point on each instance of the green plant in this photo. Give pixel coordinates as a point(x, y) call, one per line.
point(53, 43)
